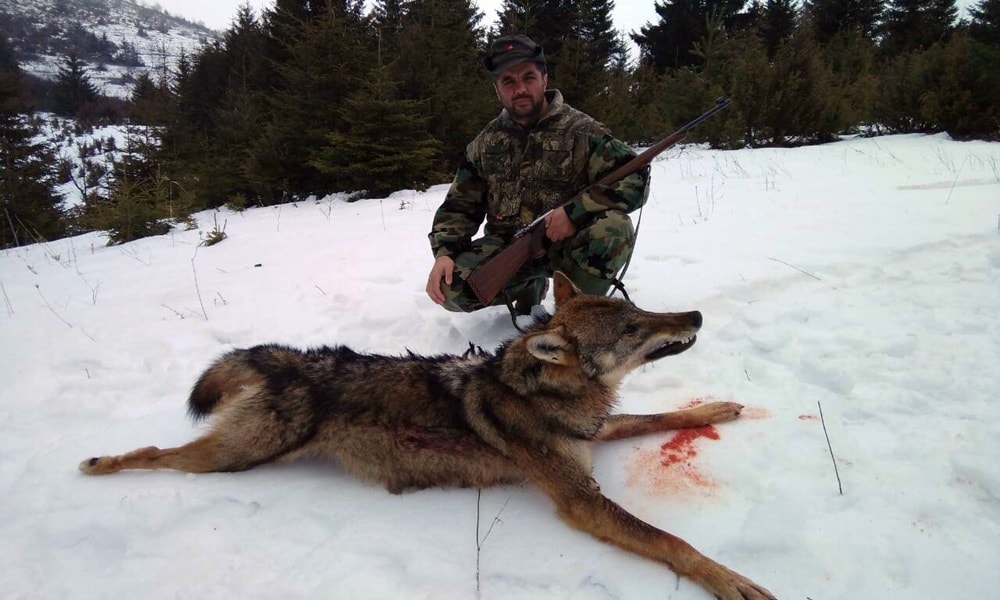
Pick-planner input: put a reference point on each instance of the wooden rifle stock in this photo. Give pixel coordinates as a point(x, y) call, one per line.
point(489, 278)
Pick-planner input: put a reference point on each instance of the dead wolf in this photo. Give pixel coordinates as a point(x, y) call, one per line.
point(528, 411)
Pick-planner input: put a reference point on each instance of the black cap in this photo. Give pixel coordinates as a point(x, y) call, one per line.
point(510, 50)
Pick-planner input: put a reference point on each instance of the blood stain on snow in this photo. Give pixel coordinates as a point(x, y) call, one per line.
point(669, 468)
point(696, 402)
point(755, 412)
point(681, 448)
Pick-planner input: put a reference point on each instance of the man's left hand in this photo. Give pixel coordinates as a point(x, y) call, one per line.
point(558, 226)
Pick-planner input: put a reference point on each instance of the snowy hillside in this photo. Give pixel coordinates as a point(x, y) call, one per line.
point(133, 37)
point(850, 293)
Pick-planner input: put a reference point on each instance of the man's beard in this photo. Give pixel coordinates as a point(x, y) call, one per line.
point(527, 114)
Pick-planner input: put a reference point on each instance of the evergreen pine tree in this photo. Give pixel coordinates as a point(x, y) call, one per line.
point(220, 113)
point(242, 113)
point(801, 103)
point(73, 89)
point(140, 200)
point(547, 22)
point(777, 22)
point(29, 205)
point(917, 24)
point(963, 96)
point(438, 65)
point(668, 43)
point(389, 17)
point(828, 18)
point(152, 103)
point(854, 68)
point(383, 145)
point(325, 57)
point(589, 54)
point(580, 42)
point(985, 25)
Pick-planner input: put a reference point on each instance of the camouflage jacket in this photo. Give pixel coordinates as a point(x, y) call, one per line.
point(511, 175)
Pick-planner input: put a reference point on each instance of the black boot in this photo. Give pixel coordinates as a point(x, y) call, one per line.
point(532, 295)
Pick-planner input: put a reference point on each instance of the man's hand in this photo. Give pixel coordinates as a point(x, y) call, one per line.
point(558, 226)
point(443, 268)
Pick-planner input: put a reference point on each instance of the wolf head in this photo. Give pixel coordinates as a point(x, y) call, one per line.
point(607, 338)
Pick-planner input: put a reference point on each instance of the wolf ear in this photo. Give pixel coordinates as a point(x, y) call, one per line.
point(564, 288)
point(549, 346)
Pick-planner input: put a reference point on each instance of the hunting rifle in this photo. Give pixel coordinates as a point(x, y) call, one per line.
point(489, 278)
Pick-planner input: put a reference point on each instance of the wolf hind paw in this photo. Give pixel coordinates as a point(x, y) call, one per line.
point(95, 466)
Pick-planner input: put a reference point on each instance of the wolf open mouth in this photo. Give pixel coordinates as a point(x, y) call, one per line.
point(671, 348)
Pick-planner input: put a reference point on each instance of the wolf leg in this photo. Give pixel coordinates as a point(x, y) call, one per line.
point(617, 427)
point(580, 503)
point(200, 456)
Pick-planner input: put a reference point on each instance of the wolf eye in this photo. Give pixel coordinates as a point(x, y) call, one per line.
point(630, 329)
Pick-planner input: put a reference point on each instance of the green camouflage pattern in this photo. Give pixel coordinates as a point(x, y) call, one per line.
point(511, 175)
point(590, 259)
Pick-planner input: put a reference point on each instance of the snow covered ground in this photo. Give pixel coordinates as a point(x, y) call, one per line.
point(854, 285)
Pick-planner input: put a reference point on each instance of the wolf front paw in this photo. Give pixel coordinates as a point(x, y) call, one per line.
point(716, 412)
point(730, 585)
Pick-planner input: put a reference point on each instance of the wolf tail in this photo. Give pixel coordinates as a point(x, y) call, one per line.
point(230, 376)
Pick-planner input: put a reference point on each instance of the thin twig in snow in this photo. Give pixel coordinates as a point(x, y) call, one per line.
point(6, 301)
point(822, 420)
point(482, 540)
point(58, 316)
point(52, 310)
point(954, 181)
point(176, 312)
point(794, 267)
point(196, 288)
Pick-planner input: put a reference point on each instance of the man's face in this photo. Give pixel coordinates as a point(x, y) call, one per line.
point(521, 90)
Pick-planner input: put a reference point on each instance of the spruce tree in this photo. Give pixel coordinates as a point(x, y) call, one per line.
point(389, 17)
point(547, 22)
point(383, 145)
point(581, 45)
point(985, 25)
point(801, 103)
point(73, 89)
point(917, 24)
point(777, 22)
point(438, 65)
point(242, 114)
point(325, 58)
point(140, 200)
point(152, 103)
point(829, 18)
point(852, 59)
point(220, 113)
point(668, 43)
point(963, 96)
point(589, 54)
point(29, 205)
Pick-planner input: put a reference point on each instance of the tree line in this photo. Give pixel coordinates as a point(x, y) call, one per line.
point(316, 97)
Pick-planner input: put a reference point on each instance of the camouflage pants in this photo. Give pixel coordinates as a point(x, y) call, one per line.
point(590, 259)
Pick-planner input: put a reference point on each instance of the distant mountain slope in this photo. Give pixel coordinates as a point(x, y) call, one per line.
point(118, 39)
